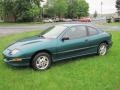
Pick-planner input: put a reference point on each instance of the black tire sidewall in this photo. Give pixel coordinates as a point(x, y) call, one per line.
point(36, 57)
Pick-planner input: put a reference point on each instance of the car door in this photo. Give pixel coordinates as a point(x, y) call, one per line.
point(74, 42)
point(93, 39)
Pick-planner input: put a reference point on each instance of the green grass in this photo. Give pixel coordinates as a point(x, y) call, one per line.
point(113, 24)
point(19, 24)
point(85, 73)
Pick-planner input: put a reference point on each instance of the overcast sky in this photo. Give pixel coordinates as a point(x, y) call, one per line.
point(108, 6)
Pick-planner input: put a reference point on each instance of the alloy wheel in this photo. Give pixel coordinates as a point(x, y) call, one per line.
point(102, 49)
point(42, 62)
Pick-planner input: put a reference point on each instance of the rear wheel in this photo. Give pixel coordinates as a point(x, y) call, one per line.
point(41, 61)
point(102, 49)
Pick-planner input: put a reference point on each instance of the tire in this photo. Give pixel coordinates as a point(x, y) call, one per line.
point(41, 61)
point(102, 49)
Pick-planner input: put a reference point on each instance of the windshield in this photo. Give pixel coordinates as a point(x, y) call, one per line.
point(54, 32)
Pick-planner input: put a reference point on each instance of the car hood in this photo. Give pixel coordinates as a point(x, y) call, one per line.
point(26, 41)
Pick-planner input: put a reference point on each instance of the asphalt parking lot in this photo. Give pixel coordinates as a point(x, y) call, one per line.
point(6, 30)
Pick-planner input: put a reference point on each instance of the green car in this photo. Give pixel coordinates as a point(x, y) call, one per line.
point(57, 43)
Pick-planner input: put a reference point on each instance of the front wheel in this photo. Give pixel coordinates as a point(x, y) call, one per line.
point(102, 49)
point(41, 61)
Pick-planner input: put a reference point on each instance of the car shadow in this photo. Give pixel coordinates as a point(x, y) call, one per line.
point(70, 60)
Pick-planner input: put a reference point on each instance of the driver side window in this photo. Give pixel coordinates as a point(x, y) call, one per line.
point(76, 32)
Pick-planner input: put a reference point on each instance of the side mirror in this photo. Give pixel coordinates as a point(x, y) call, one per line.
point(65, 38)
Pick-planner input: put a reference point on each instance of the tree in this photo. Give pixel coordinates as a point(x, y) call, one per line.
point(1, 10)
point(49, 10)
point(95, 14)
point(67, 8)
point(72, 8)
point(29, 10)
point(19, 10)
point(60, 7)
point(38, 3)
point(7, 7)
point(56, 8)
point(77, 8)
point(118, 6)
point(83, 7)
point(34, 12)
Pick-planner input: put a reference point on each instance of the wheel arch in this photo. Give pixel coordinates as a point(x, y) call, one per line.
point(40, 51)
point(105, 41)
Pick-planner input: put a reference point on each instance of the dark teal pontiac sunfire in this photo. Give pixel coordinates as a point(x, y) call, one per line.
point(57, 43)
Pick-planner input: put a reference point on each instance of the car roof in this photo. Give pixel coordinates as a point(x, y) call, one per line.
point(71, 25)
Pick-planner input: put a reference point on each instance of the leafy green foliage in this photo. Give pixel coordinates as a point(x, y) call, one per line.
point(34, 12)
point(60, 7)
point(67, 8)
point(118, 6)
point(22, 9)
point(49, 12)
point(19, 10)
point(1, 10)
point(56, 8)
point(29, 10)
point(77, 8)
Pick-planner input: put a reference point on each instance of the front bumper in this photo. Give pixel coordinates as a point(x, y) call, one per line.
point(13, 62)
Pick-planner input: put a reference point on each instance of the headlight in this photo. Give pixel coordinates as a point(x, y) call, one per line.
point(14, 51)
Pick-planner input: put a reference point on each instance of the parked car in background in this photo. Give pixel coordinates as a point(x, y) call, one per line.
point(75, 19)
point(111, 19)
point(66, 20)
point(48, 21)
point(116, 19)
point(58, 43)
point(85, 19)
point(98, 19)
point(56, 19)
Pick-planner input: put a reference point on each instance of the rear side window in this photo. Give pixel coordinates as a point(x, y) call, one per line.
point(76, 32)
point(92, 31)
